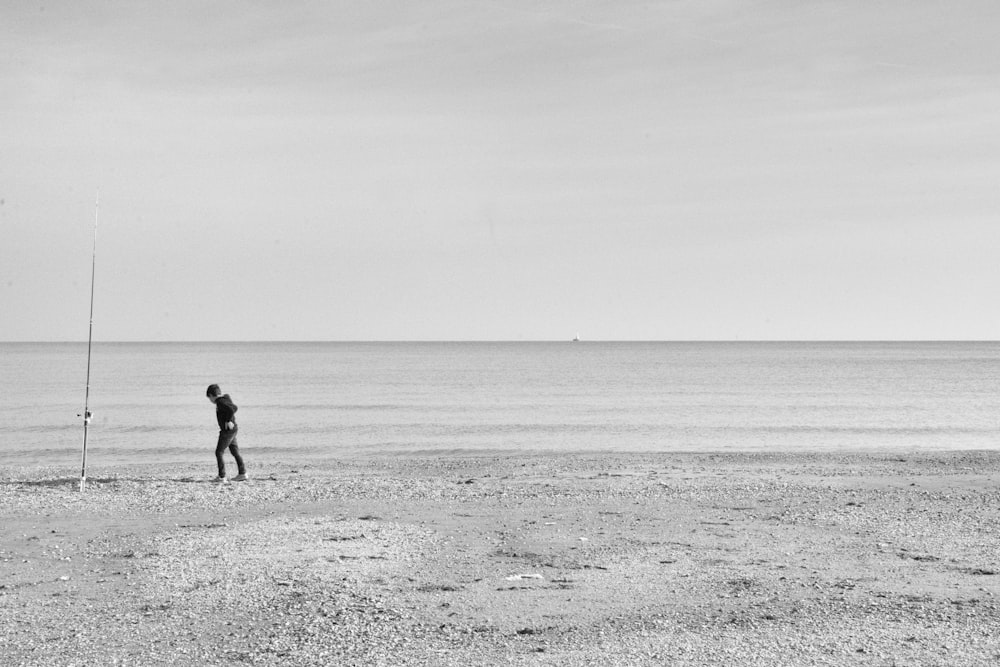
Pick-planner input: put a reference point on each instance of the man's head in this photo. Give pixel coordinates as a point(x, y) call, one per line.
point(213, 392)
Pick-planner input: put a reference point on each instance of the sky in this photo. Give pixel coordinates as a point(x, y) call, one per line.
point(500, 170)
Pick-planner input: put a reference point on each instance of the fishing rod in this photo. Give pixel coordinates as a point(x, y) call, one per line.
point(90, 338)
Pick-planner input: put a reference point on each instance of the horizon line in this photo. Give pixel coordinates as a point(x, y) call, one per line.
point(499, 340)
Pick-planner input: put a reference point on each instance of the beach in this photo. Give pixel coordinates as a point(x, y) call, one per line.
point(589, 559)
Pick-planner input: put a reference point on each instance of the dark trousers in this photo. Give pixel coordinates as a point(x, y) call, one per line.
point(227, 439)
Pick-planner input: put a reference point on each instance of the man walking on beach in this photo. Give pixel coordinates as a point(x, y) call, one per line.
point(225, 413)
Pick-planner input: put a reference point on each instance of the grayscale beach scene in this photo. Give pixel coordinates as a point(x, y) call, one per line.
point(561, 333)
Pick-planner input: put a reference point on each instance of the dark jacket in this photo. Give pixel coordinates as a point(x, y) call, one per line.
point(225, 410)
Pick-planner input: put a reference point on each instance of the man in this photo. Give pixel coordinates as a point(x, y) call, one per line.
point(225, 413)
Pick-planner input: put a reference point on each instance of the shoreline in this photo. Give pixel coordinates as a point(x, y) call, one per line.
point(674, 558)
point(195, 457)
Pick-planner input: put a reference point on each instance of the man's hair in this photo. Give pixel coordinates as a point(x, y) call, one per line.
point(213, 390)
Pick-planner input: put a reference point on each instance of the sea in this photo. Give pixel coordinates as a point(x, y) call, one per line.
point(301, 402)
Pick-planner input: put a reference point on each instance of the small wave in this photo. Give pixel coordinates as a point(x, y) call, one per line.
point(148, 428)
point(42, 428)
point(862, 430)
point(425, 429)
point(335, 407)
point(43, 455)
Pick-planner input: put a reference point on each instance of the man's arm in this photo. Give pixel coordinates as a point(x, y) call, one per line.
point(227, 410)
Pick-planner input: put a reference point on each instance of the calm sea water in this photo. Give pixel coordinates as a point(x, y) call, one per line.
point(309, 401)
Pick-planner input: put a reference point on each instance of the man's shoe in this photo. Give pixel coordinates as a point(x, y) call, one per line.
point(221, 480)
point(240, 478)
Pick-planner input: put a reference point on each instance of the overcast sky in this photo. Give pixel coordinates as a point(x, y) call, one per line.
point(500, 170)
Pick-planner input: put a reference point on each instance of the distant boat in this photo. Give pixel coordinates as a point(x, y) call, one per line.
point(576, 338)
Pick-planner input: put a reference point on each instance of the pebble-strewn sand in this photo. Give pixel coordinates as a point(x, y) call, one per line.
point(544, 560)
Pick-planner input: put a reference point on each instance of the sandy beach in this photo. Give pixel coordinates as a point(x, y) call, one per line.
point(686, 559)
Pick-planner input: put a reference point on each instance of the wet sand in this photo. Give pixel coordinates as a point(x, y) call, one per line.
point(683, 559)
